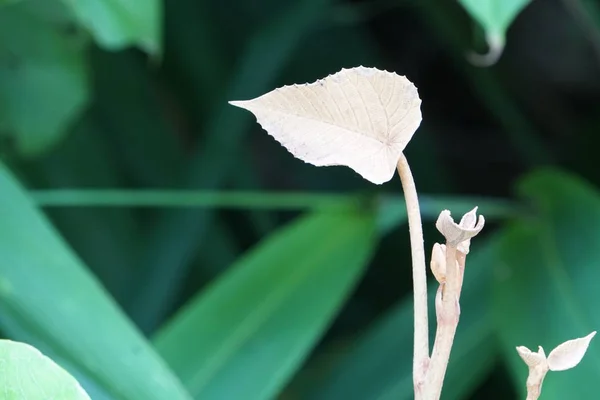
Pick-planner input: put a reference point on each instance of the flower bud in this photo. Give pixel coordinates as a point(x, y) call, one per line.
point(459, 235)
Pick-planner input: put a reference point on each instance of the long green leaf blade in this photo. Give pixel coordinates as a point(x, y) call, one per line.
point(246, 335)
point(49, 299)
point(378, 364)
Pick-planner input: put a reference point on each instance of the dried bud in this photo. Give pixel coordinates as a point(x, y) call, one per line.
point(532, 359)
point(438, 262)
point(459, 235)
point(538, 368)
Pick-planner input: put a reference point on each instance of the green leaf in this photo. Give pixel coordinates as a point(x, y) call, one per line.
point(25, 373)
point(43, 78)
point(117, 24)
point(49, 299)
point(378, 365)
point(494, 16)
point(249, 332)
point(547, 290)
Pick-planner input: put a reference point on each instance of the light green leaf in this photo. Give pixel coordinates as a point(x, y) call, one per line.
point(546, 292)
point(116, 24)
point(43, 78)
point(495, 17)
point(49, 299)
point(378, 365)
point(26, 374)
point(245, 336)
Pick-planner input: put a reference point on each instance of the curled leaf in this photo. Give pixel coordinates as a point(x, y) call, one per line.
point(361, 117)
point(569, 354)
point(456, 234)
point(495, 17)
point(496, 47)
point(532, 359)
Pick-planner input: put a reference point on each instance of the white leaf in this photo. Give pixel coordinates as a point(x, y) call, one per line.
point(361, 117)
point(569, 354)
point(532, 359)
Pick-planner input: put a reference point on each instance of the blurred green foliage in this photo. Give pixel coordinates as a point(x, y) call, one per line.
point(158, 245)
point(40, 58)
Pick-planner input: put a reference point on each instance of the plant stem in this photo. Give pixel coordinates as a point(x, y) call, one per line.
point(534, 381)
point(448, 312)
point(421, 338)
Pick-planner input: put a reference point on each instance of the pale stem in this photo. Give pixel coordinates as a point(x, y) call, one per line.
point(448, 312)
point(532, 395)
point(534, 381)
point(421, 338)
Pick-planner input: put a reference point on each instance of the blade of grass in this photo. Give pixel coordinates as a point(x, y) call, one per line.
point(247, 334)
point(432, 205)
point(185, 198)
point(48, 295)
point(85, 159)
point(390, 211)
point(369, 367)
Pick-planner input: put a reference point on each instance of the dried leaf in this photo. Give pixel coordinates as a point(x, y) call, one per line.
point(532, 359)
point(569, 354)
point(361, 117)
point(454, 233)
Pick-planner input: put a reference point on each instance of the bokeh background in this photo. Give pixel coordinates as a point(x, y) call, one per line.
point(158, 244)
